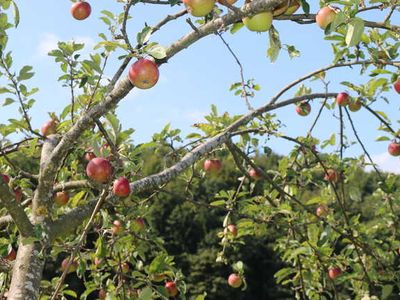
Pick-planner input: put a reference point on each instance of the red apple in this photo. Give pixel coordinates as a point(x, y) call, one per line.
point(394, 149)
point(331, 175)
point(396, 86)
point(260, 22)
point(303, 109)
point(322, 210)
point(355, 105)
point(117, 227)
point(121, 187)
point(171, 288)
point(102, 294)
point(334, 272)
point(138, 224)
point(72, 268)
point(81, 10)
point(125, 267)
point(99, 169)
point(89, 155)
point(232, 229)
point(199, 8)
point(342, 99)
point(11, 255)
point(61, 198)
point(212, 165)
point(49, 127)
point(6, 178)
point(18, 194)
point(255, 174)
point(144, 73)
point(325, 16)
point(234, 280)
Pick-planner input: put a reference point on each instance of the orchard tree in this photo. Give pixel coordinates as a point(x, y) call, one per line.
point(74, 195)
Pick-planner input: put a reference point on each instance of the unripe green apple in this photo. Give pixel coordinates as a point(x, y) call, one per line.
point(199, 8)
point(355, 105)
point(259, 22)
point(293, 7)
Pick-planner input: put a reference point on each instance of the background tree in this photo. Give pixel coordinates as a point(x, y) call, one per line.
point(79, 194)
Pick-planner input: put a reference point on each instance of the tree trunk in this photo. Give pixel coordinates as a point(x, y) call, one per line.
point(27, 273)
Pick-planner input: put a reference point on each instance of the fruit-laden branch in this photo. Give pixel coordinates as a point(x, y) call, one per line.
point(310, 18)
point(17, 213)
point(75, 217)
point(124, 86)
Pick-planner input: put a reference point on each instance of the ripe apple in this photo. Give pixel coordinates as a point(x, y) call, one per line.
point(331, 175)
point(117, 227)
point(259, 22)
point(355, 105)
point(342, 99)
point(61, 198)
point(293, 7)
point(255, 174)
point(11, 255)
point(81, 10)
point(396, 85)
point(232, 229)
point(18, 194)
point(334, 272)
point(322, 210)
point(89, 155)
point(49, 127)
point(325, 16)
point(171, 288)
point(303, 109)
point(234, 280)
point(212, 165)
point(125, 267)
point(6, 178)
point(394, 149)
point(144, 73)
point(199, 8)
point(72, 268)
point(121, 187)
point(138, 224)
point(102, 294)
point(99, 169)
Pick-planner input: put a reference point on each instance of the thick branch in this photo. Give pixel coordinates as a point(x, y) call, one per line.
point(17, 213)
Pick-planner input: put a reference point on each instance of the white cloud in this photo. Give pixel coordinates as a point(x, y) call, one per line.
point(386, 163)
point(47, 43)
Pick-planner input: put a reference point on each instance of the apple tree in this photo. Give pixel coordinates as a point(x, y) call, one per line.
point(76, 193)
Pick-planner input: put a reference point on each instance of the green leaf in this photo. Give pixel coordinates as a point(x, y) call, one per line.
point(274, 44)
point(143, 36)
point(236, 27)
point(25, 73)
point(146, 294)
point(355, 30)
point(16, 14)
point(155, 50)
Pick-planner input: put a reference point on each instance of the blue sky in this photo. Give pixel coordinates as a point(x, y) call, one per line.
point(195, 78)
